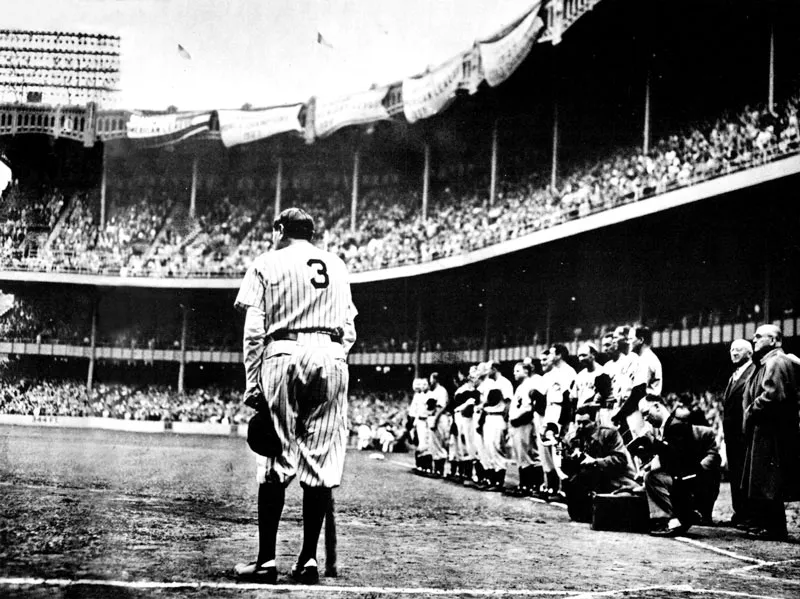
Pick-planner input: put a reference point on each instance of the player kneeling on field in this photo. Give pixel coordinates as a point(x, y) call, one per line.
point(681, 471)
point(595, 461)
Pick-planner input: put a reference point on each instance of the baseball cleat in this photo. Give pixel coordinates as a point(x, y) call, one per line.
point(308, 574)
point(253, 572)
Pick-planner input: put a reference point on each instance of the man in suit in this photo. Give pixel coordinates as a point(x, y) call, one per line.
point(733, 410)
point(772, 457)
point(682, 478)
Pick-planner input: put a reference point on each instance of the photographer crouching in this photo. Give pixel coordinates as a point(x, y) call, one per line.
point(681, 468)
point(595, 461)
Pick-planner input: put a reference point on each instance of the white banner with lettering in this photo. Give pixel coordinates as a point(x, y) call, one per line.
point(164, 129)
point(245, 126)
point(430, 93)
point(502, 54)
point(356, 109)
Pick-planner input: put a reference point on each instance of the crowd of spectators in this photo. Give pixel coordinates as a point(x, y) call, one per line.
point(142, 237)
point(44, 398)
point(377, 419)
point(392, 237)
point(51, 398)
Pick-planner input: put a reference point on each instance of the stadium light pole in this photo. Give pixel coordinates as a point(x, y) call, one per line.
point(418, 340)
point(767, 279)
point(426, 177)
point(182, 363)
point(548, 318)
point(493, 180)
point(278, 186)
point(771, 94)
point(554, 166)
point(193, 193)
point(646, 137)
point(103, 183)
point(354, 196)
point(92, 346)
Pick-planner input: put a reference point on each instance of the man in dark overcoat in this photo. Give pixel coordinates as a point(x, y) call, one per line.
point(733, 413)
point(772, 460)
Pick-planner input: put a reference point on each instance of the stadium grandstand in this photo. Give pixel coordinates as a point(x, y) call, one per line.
point(594, 163)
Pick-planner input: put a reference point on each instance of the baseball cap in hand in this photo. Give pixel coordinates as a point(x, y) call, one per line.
point(262, 437)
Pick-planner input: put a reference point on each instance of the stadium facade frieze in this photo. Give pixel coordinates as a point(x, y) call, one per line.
point(674, 338)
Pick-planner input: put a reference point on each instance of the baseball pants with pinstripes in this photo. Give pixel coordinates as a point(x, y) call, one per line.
point(305, 384)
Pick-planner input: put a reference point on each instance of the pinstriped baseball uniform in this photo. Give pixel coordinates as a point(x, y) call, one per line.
point(296, 355)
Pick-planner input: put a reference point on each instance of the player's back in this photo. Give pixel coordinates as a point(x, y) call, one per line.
point(305, 288)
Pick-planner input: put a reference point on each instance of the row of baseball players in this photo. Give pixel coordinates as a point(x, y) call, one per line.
point(487, 414)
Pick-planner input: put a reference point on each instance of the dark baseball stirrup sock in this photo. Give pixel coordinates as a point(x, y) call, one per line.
point(537, 477)
point(525, 477)
point(501, 478)
point(553, 481)
point(271, 496)
point(315, 504)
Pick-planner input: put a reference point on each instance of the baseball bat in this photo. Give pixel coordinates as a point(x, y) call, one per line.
point(330, 540)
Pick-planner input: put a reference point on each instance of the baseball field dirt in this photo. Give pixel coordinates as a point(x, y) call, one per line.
point(99, 514)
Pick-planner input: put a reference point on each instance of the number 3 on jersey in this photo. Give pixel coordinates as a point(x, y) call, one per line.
point(321, 278)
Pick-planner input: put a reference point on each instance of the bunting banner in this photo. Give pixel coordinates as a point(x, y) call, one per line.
point(503, 53)
point(471, 72)
point(393, 100)
point(432, 92)
point(157, 130)
point(245, 126)
point(355, 109)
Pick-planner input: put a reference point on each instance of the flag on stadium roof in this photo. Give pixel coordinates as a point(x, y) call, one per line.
point(323, 42)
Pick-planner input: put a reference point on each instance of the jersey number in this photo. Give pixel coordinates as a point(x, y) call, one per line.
point(321, 279)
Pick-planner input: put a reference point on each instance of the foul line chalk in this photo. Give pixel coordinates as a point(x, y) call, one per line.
point(725, 552)
point(325, 589)
point(683, 588)
point(322, 589)
point(744, 571)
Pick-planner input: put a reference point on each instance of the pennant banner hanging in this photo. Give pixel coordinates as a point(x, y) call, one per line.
point(430, 93)
point(245, 126)
point(502, 54)
point(355, 109)
point(471, 72)
point(158, 130)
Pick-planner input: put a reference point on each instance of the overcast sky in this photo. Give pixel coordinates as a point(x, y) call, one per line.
point(265, 52)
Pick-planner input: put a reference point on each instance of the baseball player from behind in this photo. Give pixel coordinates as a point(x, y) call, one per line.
point(299, 326)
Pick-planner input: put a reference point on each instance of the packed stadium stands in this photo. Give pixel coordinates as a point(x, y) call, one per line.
point(152, 235)
point(212, 404)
